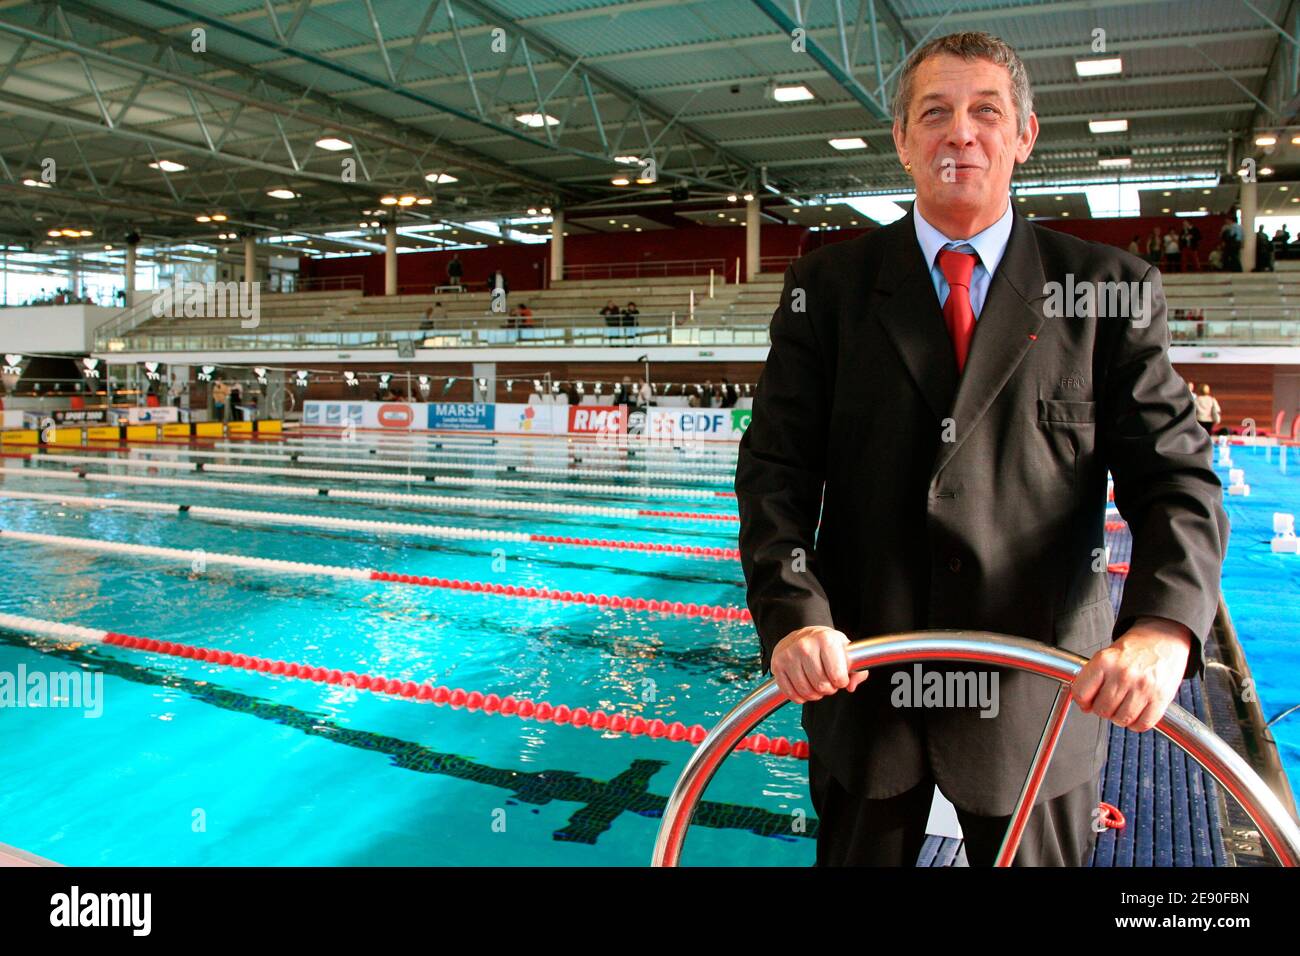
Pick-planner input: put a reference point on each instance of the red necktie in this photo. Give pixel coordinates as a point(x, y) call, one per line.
point(957, 268)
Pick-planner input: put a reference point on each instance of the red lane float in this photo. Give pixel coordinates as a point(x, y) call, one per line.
point(1119, 567)
point(694, 515)
point(686, 549)
point(713, 612)
point(456, 697)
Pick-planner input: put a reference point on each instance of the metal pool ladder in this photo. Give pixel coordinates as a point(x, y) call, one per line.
point(1275, 825)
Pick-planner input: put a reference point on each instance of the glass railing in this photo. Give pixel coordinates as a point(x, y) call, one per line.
point(1245, 325)
point(461, 332)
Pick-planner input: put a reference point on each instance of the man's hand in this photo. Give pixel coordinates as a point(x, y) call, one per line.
point(1132, 682)
point(811, 663)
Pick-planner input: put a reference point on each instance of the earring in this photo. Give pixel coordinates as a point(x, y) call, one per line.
point(908, 167)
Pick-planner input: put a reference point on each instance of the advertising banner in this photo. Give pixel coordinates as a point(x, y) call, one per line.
point(148, 416)
point(335, 414)
point(525, 419)
point(598, 419)
point(462, 416)
point(689, 424)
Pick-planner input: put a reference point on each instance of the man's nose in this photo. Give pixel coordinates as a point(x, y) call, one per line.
point(961, 130)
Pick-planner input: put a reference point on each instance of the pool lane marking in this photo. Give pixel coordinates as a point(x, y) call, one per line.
point(409, 464)
point(491, 703)
point(714, 612)
point(362, 524)
point(406, 479)
point(336, 451)
point(391, 497)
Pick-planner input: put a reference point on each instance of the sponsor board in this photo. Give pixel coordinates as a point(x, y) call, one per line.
point(78, 416)
point(525, 419)
point(740, 419)
point(462, 416)
point(388, 415)
point(598, 419)
point(334, 414)
point(147, 416)
point(690, 424)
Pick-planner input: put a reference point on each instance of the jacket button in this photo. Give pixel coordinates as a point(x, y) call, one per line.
point(954, 564)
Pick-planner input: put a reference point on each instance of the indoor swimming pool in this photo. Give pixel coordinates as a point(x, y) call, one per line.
point(198, 762)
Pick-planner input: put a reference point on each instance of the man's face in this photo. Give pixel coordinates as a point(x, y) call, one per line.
point(961, 136)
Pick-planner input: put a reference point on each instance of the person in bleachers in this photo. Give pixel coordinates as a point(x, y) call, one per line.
point(426, 321)
point(1215, 259)
point(455, 271)
point(525, 316)
point(610, 312)
point(1208, 412)
point(729, 395)
point(1232, 239)
point(1263, 251)
point(1281, 240)
point(1133, 246)
point(1189, 244)
point(629, 315)
point(1171, 251)
point(1155, 245)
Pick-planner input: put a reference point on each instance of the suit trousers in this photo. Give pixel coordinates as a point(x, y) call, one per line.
point(854, 831)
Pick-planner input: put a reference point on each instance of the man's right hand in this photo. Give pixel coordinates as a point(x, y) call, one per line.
point(811, 663)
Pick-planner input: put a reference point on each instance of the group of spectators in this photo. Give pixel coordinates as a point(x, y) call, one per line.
point(1180, 251)
point(619, 318)
point(1171, 251)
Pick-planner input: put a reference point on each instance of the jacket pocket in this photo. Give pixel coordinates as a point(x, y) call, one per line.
point(1073, 413)
point(1085, 630)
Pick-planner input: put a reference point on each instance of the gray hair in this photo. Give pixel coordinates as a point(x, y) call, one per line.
point(969, 46)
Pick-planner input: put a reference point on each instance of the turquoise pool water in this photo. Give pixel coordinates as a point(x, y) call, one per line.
point(193, 763)
point(1262, 589)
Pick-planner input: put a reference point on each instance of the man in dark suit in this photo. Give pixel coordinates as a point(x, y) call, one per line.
point(929, 448)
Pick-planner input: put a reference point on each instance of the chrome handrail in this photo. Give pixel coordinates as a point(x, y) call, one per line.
point(1275, 825)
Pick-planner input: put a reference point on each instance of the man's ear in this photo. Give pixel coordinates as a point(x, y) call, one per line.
point(899, 142)
point(1029, 136)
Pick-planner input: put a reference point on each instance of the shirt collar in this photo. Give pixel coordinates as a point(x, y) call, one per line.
point(989, 245)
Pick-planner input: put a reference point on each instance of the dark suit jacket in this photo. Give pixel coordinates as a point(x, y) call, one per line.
point(996, 529)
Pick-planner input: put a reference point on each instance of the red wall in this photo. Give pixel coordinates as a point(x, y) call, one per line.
point(1119, 232)
point(420, 271)
point(525, 266)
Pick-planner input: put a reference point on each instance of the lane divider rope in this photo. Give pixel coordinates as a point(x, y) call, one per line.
point(714, 612)
point(572, 488)
point(491, 703)
point(588, 489)
point(409, 464)
point(361, 524)
point(478, 454)
point(391, 497)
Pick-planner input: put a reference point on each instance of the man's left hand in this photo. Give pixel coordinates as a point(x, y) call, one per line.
point(1132, 682)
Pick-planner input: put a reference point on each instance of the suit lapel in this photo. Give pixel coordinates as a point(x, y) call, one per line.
point(910, 314)
point(1012, 313)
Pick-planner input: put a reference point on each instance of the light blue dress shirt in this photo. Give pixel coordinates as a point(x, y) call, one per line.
point(988, 245)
